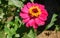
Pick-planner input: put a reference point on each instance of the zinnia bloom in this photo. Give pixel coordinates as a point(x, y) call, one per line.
point(34, 15)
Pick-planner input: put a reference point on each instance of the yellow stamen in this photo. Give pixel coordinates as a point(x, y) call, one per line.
point(34, 11)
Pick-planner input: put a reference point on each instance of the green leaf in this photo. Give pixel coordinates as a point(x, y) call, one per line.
point(17, 35)
point(32, 0)
point(52, 21)
point(57, 27)
point(23, 0)
point(1, 13)
point(10, 31)
point(6, 30)
point(9, 36)
point(31, 34)
point(16, 19)
point(0, 1)
point(2, 34)
point(16, 3)
point(25, 36)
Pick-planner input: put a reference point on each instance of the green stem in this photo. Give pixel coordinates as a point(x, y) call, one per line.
point(35, 30)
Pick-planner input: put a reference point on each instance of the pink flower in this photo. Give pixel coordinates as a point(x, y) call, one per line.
point(34, 15)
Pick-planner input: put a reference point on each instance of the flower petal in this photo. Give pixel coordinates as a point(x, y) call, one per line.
point(44, 12)
point(39, 22)
point(25, 9)
point(41, 6)
point(36, 4)
point(24, 15)
point(26, 20)
point(27, 25)
point(43, 17)
point(35, 26)
point(31, 22)
point(29, 5)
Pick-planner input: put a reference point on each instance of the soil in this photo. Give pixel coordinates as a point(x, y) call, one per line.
point(49, 34)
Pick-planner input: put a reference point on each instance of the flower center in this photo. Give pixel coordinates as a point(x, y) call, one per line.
point(34, 11)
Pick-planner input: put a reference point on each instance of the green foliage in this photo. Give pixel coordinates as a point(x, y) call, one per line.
point(31, 34)
point(16, 3)
point(11, 27)
point(52, 21)
point(0, 1)
point(23, 0)
point(57, 28)
point(1, 14)
point(32, 0)
point(2, 34)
